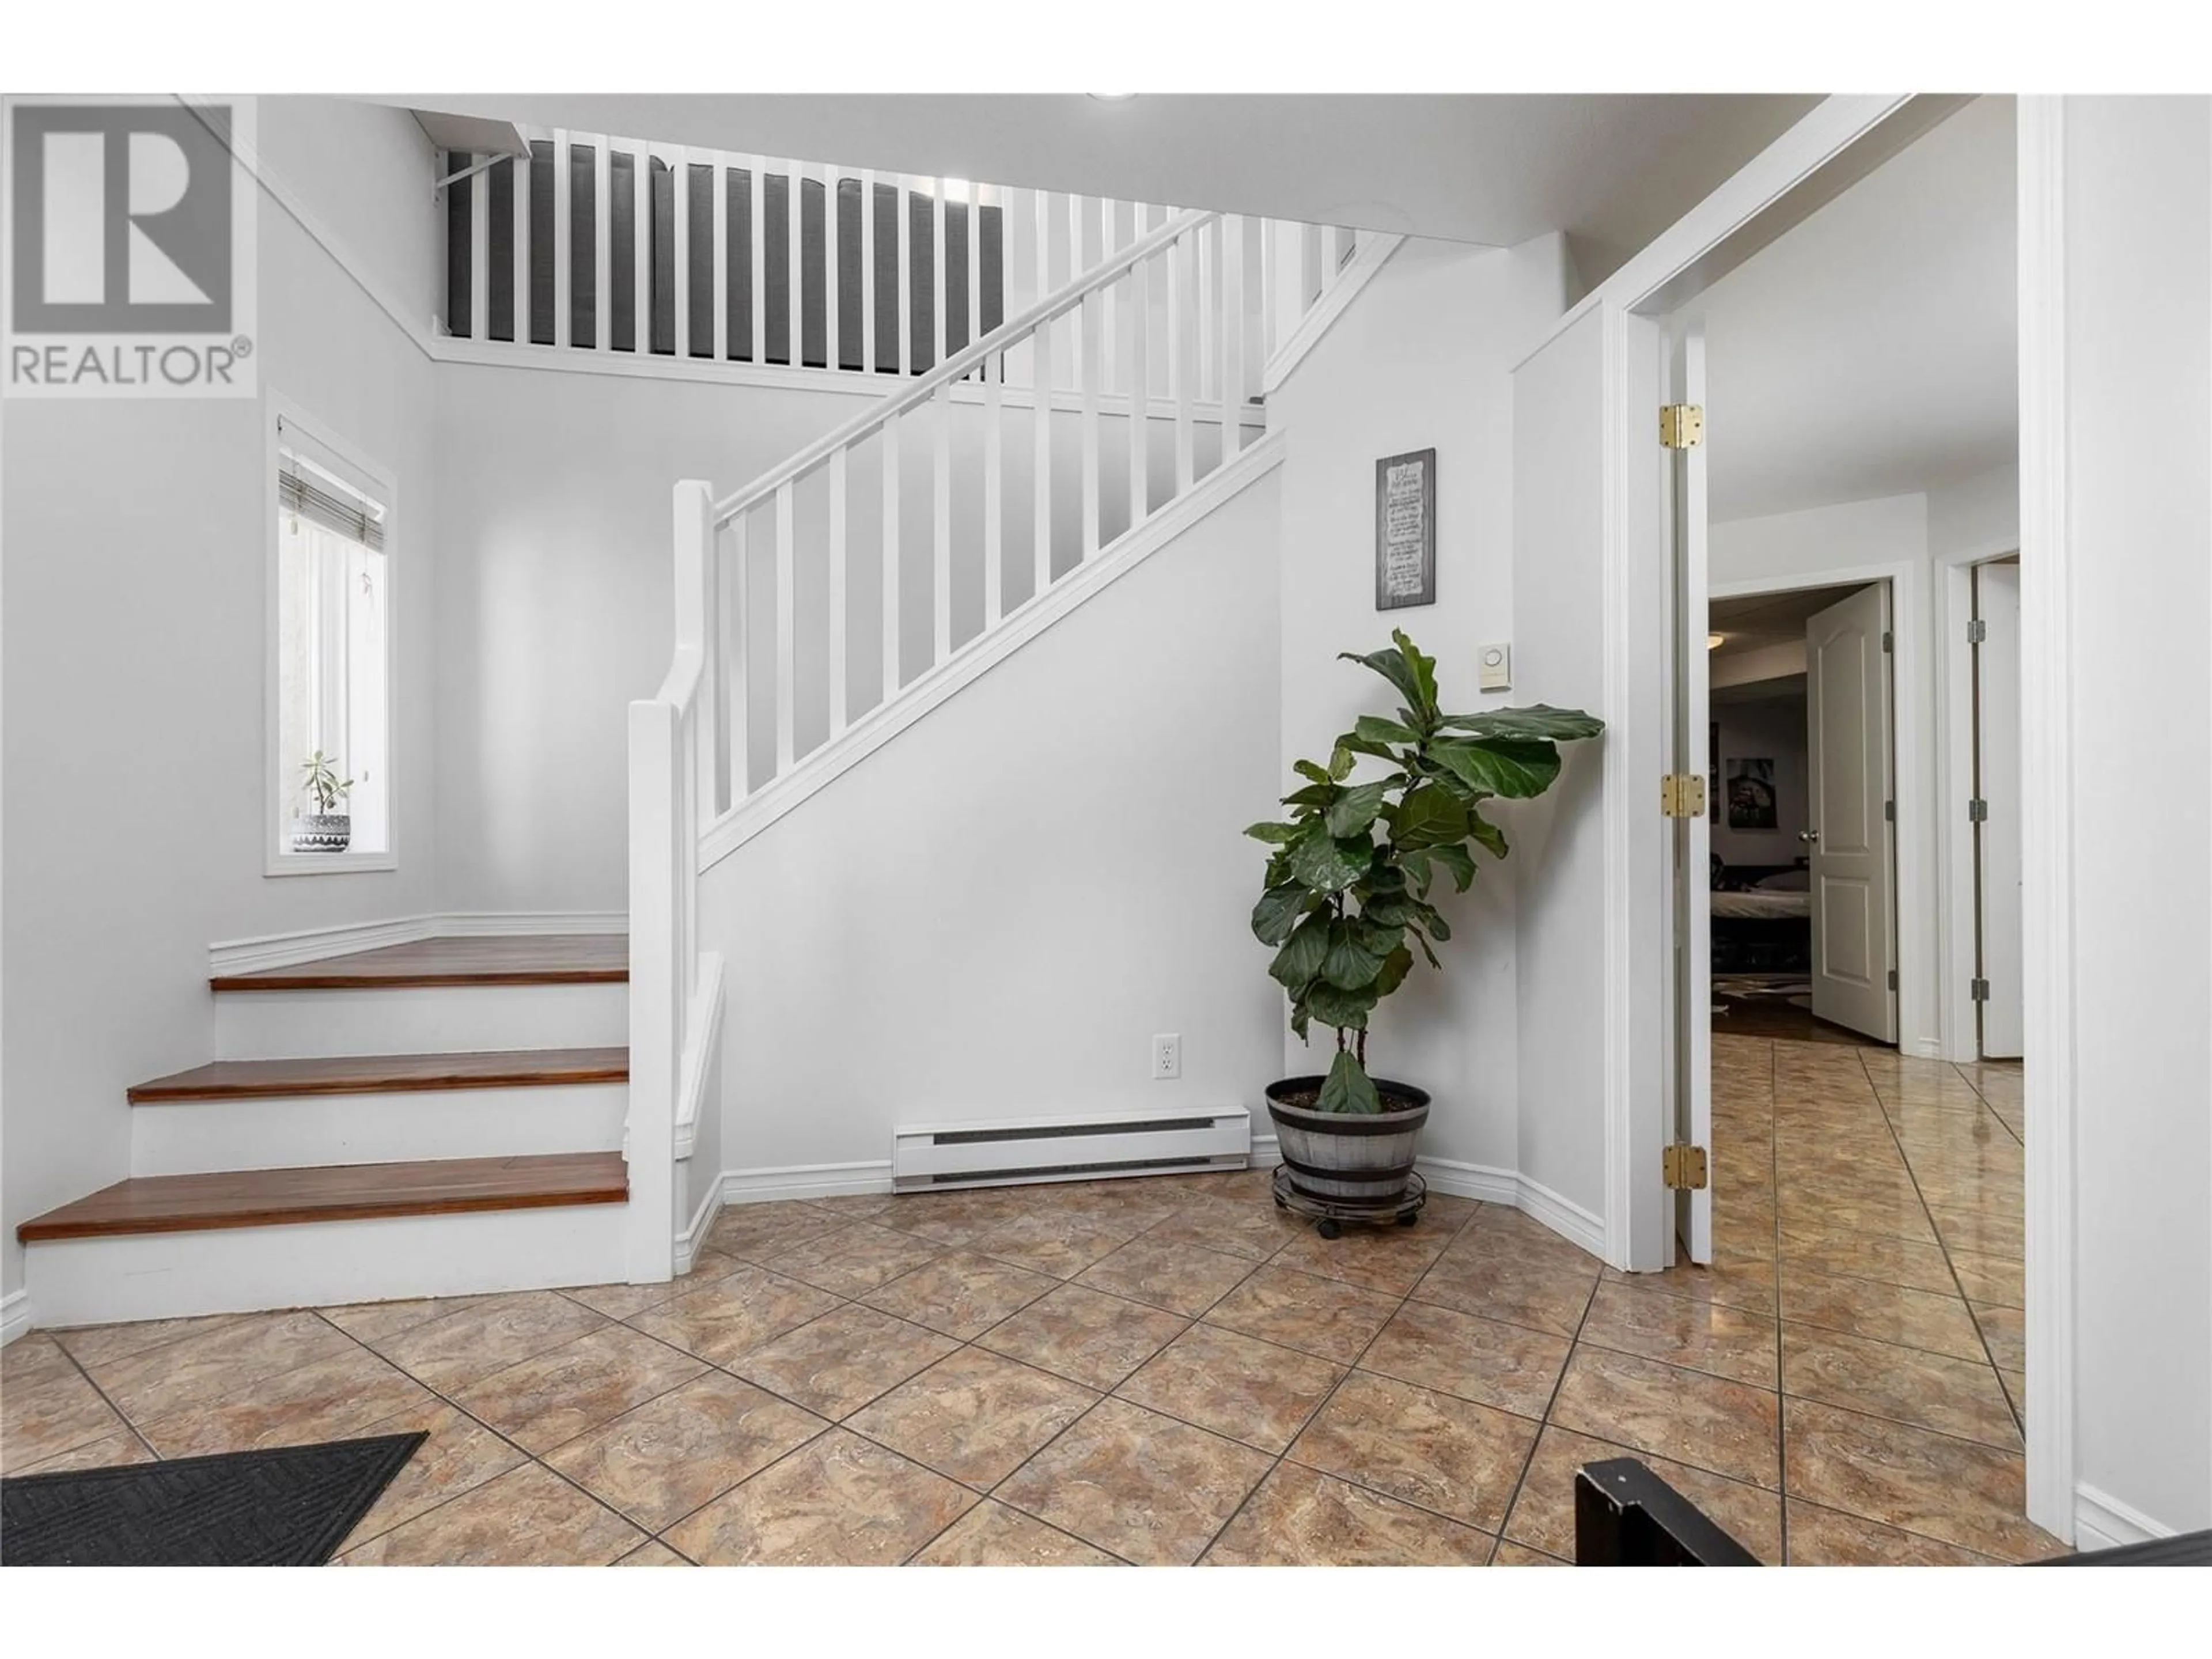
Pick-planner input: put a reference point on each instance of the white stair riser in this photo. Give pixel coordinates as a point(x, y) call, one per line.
point(418, 1020)
point(194, 1137)
point(93, 1281)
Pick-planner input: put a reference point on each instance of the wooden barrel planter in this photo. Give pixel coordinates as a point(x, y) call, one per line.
point(1349, 1162)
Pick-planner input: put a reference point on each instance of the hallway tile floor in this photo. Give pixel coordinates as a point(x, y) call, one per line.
point(1171, 1370)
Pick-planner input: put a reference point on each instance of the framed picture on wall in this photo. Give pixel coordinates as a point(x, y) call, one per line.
point(1405, 530)
point(1751, 795)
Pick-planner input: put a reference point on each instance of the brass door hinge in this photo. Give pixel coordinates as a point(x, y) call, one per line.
point(1685, 1166)
point(1681, 426)
point(1682, 795)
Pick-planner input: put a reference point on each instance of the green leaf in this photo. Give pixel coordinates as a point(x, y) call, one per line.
point(1314, 795)
point(1427, 816)
point(1396, 967)
point(1456, 858)
point(1351, 812)
point(1340, 764)
point(1488, 835)
point(1299, 1015)
point(1302, 954)
point(1345, 1010)
point(1431, 921)
point(1279, 910)
point(1540, 722)
point(1281, 835)
point(1423, 671)
point(1348, 1088)
point(1504, 766)
point(1349, 964)
point(1312, 771)
point(1374, 729)
point(1427, 952)
point(1391, 666)
point(1395, 910)
point(1416, 865)
point(1328, 866)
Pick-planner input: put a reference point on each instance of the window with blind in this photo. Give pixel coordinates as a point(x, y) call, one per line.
point(330, 691)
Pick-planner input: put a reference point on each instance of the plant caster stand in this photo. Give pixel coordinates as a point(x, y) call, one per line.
point(1329, 1214)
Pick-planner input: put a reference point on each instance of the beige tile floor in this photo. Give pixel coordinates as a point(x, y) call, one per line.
point(1170, 1370)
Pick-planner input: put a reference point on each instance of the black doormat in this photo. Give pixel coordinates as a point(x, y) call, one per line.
point(290, 1506)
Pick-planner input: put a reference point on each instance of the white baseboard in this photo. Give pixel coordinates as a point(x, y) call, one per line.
point(1578, 1226)
point(2102, 1522)
point(805, 1181)
point(247, 955)
point(1491, 1185)
point(1266, 1152)
point(14, 1316)
point(702, 1222)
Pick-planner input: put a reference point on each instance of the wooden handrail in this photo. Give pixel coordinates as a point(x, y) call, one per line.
point(956, 367)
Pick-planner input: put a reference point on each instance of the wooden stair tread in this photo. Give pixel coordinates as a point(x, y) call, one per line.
point(504, 959)
point(360, 1074)
point(345, 1191)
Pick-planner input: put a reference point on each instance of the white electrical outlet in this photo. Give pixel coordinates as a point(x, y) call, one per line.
point(1167, 1057)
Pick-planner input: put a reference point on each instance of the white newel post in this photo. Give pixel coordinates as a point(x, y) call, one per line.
point(669, 735)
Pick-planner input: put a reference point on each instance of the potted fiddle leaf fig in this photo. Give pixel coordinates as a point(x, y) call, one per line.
point(1398, 803)
point(325, 829)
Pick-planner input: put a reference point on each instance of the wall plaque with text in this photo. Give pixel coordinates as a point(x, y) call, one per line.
point(1405, 530)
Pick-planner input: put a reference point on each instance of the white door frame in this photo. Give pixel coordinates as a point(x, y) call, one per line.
point(1954, 787)
point(1917, 878)
point(1840, 141)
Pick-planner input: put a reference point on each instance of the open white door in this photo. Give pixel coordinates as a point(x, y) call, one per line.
point(1851, 841)
point(1996, 836)
point(1693, 898)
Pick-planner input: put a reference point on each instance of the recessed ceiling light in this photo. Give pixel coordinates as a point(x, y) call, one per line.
point(1113, 97)
point(1714, 641)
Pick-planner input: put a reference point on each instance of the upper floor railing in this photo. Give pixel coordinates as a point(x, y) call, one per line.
point(613, 245)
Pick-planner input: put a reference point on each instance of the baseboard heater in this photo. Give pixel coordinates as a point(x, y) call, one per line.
point(1080, 1148)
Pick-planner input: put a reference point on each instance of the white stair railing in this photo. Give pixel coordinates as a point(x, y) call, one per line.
point(669, 732)
point(936, 456)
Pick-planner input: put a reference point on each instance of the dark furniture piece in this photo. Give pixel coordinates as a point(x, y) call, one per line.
point(1627, 1516)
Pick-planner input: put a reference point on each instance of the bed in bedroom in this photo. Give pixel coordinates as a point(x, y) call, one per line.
point(1762, 921)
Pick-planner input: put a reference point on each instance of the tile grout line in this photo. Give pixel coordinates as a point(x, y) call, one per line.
point(1943, 1245)
point(528, 1456)
point(1334, 1388)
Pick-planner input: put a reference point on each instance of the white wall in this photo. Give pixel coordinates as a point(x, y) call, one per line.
point(2138, 343)
point(1417, 361)
point(991, 916)
point(1975, 517)
point(134, 659)
point(554, 599)
point(1558, 493)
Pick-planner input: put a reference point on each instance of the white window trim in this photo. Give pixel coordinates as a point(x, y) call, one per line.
point(278, 858)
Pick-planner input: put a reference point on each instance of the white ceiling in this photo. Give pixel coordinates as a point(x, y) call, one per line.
point(1872, 350)
point(1612, 171)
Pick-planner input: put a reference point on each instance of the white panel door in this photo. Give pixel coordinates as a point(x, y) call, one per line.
point(1853, 868)
point(1693, 888)
point(1996, 762)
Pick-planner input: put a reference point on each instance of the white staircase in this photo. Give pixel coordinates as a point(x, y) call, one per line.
point(415, 1121)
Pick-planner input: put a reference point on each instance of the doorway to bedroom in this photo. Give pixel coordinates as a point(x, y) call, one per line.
point(1801, 796)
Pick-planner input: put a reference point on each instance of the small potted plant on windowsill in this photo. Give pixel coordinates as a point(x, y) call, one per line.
point(325, 829)
point(1347, 903)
